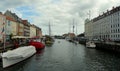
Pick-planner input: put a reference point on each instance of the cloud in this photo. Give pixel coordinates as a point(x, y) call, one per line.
point(60, 13)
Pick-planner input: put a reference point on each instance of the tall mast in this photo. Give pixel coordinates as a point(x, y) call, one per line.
point(69, 27)
point(73, 25)
point(49, 29)
point(76, 28)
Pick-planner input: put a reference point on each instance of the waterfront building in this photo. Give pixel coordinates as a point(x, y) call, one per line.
point(20, 29)
point(35, 31)
point(18, 20)
point(38, 32)
point(89, 29)
point(10, 27)
point(26, 28)
point(32, 31)
point(2, 26)
point(14, 29)
point(13, 15)
point(71, 35)
point(105, 26)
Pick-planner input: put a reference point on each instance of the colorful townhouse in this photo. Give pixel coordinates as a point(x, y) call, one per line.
point(20, 28)
point(26, 28)
point(15, 26)
point(11, 27)
point(32, 31)
point(38, 32)
point(2, 26)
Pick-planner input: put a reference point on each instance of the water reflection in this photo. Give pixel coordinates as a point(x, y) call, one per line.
point(38, 54)
point(40, 51)
point(49, 45)
point(101, 61)
point(18, 67)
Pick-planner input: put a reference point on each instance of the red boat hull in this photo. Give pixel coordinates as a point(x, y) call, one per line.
point(38, 45)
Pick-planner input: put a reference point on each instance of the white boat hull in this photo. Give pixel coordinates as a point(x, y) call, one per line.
point(14, 56)
point(90, 45)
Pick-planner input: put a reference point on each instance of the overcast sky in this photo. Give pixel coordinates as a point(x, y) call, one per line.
point(60, 13)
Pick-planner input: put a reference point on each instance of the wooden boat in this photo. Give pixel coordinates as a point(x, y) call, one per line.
point(12, 57)
point(90, 44)
point(49, 40)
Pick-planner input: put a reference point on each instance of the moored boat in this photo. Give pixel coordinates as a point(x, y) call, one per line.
point(12, 57)
point(90, 44)
point(49, 40)
point(38, 45)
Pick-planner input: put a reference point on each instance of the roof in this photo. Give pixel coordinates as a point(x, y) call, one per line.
point(24, 21)
point(71, 34)
point(9, 18)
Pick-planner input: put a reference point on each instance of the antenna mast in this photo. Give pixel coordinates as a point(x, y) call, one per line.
point(89, 14)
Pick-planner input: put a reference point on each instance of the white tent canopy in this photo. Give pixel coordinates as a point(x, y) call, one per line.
point(20, 37)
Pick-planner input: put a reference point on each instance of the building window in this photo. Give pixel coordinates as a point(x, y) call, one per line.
point(113, 31)
point(118, 19)
point(8, 23)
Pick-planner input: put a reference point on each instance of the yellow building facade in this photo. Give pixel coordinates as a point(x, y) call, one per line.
point(32, 31)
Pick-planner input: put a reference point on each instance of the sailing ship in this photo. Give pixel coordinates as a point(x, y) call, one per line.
point(71, 35)
point(48, 38)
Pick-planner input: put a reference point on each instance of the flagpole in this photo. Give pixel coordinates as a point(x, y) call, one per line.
point(4, 34)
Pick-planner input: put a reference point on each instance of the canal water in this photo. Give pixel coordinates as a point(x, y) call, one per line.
point(66, 56)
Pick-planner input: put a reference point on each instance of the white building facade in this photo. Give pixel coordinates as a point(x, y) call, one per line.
point(105, 26)
point(89, 29)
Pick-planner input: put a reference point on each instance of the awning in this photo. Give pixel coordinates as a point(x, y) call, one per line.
point(20, 37)
point(36, 37)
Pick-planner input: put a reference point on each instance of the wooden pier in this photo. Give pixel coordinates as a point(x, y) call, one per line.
point(112, 46)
